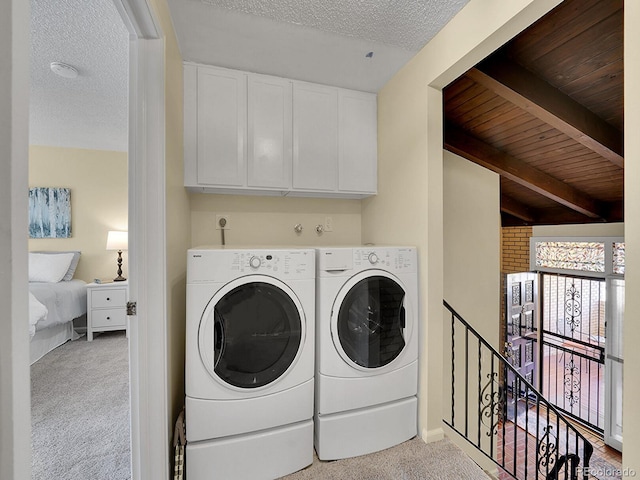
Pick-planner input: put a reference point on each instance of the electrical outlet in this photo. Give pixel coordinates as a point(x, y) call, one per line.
point(328, 224)
point(223, 221)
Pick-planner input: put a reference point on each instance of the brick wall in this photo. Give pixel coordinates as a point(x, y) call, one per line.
point(515, 249)
point(514, 258)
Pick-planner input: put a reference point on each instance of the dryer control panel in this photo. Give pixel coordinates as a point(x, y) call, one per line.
point(341, 260)
point(392, 259)
point(221, 265)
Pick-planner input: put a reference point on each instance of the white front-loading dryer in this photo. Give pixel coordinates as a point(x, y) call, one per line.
point(249, 362)
point(366, 349)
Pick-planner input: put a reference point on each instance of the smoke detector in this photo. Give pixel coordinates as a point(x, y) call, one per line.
point(64, 70)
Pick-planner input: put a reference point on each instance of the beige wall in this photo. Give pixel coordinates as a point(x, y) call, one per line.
point(471, 232)
point(408, 208)
point(472, 244)
point(271, 220)
point(631, 414)
point(587, 230)
point(178, 226)
point(98, 183)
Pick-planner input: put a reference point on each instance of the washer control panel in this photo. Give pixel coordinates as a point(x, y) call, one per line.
point(217, 265)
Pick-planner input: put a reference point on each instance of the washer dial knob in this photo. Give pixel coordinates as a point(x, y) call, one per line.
point(254, 262)
point(373, 258)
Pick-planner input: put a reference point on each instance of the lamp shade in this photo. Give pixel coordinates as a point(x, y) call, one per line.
point(117, 240)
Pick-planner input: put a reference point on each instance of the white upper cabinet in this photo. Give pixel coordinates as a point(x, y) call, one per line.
point(315, 137)
point(217, 116)
point(269, 141)
point(358, 157)
point(248, 133)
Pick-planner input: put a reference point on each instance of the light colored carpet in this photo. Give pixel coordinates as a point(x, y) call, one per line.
point(411, 460)
point(80, 411)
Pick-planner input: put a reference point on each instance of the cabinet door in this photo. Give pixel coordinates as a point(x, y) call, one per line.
point(221, 127)
point(269, 135)
point(315, 137)
point(358, 160)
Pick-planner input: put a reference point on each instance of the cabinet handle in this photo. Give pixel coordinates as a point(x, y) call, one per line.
point(108, 299)
point(108, 318)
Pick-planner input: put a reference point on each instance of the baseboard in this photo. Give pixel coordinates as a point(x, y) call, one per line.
point(434, 435)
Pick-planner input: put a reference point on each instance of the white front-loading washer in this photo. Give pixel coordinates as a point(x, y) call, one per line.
point(249, 363)
point(366, 350)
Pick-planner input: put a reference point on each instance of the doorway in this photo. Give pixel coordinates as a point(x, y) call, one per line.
point(146, 147)
point(78, 140)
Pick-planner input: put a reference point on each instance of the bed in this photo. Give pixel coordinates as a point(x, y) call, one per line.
point(55, 300)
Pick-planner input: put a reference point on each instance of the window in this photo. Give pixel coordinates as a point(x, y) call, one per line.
point(597, 257)
point(618, 258)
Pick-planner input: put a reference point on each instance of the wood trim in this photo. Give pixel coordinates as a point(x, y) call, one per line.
point(530, 93)
point(463, 144)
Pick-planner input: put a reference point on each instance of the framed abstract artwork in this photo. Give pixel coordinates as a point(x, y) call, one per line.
point(49, 212)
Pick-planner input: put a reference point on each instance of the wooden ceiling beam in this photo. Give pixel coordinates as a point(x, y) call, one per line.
point(616, 211)
point(463, 144)
point(554, 216)
point(532, 94)
point(516, 209)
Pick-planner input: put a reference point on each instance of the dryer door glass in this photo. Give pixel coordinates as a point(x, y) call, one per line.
point(257, 335)
point(371, 322)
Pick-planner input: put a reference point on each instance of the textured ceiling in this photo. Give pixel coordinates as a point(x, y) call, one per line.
point(404, 24)
point(322, 41)
point(91, 110)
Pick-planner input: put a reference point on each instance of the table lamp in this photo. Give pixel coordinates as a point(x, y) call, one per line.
point(118, 241)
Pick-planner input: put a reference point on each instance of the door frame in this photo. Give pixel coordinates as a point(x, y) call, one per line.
point(15, 391)
point(150, 429)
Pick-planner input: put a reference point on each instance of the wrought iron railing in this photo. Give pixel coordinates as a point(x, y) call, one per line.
point(500, 413)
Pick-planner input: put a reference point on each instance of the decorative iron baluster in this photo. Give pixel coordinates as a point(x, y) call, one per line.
point(492, 404)
point(572, 460)
point(572, 382)
point(547, 447)
point(573, 308)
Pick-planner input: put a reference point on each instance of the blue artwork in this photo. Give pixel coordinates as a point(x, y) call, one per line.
point(49, 212)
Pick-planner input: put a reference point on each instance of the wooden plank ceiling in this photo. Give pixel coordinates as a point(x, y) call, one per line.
point(546, 113)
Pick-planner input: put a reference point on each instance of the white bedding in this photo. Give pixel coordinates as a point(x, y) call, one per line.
point(37, 312)
point(64, 301)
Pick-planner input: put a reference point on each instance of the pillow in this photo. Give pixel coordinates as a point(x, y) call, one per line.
point(48, 268)
point(74, 263)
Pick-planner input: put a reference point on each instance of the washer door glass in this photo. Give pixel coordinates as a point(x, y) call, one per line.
point(257, 332)
point(371, 322)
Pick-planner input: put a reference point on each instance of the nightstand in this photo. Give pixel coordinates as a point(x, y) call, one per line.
point(106, 307)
